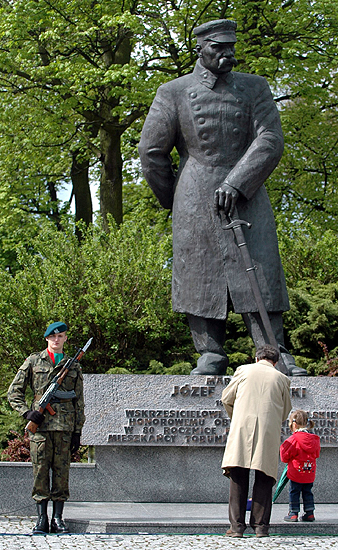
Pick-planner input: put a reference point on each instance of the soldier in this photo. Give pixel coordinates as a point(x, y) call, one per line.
point(226, 129)
point(57, 435)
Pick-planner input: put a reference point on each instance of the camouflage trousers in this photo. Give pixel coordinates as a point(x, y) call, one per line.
point(50, 451)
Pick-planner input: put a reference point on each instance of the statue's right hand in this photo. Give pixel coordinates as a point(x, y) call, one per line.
point(225, 198)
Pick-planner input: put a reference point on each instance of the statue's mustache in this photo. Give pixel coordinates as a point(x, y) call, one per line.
point(226, 60)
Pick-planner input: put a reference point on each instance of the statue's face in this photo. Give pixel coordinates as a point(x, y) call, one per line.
point(218, 57)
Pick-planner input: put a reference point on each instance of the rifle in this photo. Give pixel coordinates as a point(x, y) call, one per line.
point(53, 390)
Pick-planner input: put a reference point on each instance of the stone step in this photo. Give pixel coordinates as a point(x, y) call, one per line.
point(152, 518)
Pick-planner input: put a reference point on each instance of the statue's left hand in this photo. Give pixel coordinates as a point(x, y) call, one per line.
point(225, 198)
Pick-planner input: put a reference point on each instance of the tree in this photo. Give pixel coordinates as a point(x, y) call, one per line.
point(89, 70)
point(298, 45)
point(72, 63)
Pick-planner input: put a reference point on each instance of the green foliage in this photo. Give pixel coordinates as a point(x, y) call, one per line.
point(155, 367)
point(236, 359)
point(331, 359)
point(118, 370)
point(308, 251)
point(10, 421)
point(180, 368)
point(114, 286)
point(309, 257)
point(238, 342)
point(313, 316)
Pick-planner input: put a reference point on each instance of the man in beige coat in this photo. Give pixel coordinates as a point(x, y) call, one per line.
point(257, 400)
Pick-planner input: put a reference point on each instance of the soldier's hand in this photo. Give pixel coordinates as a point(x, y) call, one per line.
point(75, 442)
point(225, 198)
point(35, 416)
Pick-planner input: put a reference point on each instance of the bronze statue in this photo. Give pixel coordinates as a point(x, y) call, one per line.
point(226, 129)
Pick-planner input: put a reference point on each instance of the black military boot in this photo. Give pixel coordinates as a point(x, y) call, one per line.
point(57, 524)
point(41, 527)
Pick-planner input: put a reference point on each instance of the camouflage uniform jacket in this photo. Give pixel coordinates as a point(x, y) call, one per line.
point(38, 372)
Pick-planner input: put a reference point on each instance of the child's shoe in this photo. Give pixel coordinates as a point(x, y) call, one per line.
point(292, 516)
point(308, 516)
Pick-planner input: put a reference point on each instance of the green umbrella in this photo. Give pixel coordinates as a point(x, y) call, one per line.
point(281, 484)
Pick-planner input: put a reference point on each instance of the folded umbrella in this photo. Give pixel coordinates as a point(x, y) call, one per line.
point(281, 484)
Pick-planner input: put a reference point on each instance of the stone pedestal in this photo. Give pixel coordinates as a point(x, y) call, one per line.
point(161, 439)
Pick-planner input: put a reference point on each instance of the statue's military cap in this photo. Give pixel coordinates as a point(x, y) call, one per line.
point(55, 328)
point(220, 30)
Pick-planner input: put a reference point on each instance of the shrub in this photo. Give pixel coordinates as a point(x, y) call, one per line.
point(17, 449)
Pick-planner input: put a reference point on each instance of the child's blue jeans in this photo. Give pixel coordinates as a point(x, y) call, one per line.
point(295, 489)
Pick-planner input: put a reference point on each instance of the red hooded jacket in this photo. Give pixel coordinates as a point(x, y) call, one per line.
point(300, 452)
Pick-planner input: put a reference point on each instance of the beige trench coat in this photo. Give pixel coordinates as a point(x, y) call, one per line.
point(257, 400)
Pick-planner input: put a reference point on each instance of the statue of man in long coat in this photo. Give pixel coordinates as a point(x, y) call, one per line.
point(226, 129)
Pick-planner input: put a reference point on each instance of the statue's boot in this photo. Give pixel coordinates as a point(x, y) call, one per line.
point(290, 364)
point(57, 525)
point(211, 364)
point(41, 527)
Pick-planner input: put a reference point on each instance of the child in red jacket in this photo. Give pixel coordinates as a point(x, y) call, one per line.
point(300, 451)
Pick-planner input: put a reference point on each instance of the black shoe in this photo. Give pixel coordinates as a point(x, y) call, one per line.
point(41, 527)
point(308, 516)
point(57, 525)
point(212, 364)
point(289, 363)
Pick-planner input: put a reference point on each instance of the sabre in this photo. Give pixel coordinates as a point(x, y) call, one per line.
point(236, 225)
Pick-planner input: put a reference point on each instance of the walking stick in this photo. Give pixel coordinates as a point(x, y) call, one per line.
point(236, 226)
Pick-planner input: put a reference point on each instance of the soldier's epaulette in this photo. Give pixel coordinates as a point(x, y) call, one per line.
point(35, 354)
point(32, 356)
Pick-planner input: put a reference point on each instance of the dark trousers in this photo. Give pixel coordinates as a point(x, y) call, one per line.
point(304, 489)
point(209, 337)
point(209, 334)
point(261, 500)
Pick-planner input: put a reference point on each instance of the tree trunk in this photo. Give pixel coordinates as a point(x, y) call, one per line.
point(111, 131)
point(54, 213)
point(111, 175)
point(81, 189)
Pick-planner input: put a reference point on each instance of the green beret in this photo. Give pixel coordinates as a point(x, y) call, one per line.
point(55, 328)
point(220, 30)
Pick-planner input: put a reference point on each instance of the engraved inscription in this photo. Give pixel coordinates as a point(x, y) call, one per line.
point(180, 410)
point(180, 426)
